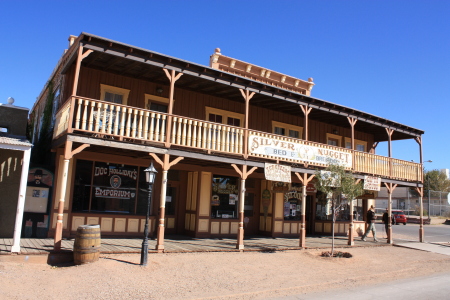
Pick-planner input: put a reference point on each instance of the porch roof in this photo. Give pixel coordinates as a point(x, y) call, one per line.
point(131, 61)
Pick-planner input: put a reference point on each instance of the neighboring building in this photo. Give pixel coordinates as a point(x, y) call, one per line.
point(215, 134)
point(14, 162)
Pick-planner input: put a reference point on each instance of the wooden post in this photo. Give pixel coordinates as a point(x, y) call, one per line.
point(247, 96)
point(390, 189)
point(351, 233)
point(21, 201)
point(352, 122)
point(80, 57)
point(162, 201)
point(62, 186)
point(172, 78)
point(419, 190)
point(390, 132)
point(420, 175)
point(306, 110)
point(305, 181)
point(243, 174)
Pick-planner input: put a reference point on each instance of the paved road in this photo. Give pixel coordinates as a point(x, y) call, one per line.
point(433, 233)
point(420, 288)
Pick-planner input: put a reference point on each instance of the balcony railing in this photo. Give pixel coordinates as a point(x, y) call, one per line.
point(124, 123)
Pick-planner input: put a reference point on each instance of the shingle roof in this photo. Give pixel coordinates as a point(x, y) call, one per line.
point(14, 141)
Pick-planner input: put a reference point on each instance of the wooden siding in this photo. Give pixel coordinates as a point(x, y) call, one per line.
point(192, 105)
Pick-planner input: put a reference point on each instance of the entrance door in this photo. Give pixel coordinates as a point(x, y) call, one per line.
point(251, 213)
point(309, 214)
point(171, 208)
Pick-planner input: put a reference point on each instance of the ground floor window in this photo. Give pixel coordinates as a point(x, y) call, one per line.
point(358, 214)
point(102, 187)
point(224, 198)
point(324, 209)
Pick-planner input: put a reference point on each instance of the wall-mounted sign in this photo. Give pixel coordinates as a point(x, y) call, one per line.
point(311, 188)
point(38, 189)
point(299, 152)
point(372, 183)
point(275, 172)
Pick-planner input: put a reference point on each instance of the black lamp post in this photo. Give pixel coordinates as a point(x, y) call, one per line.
point(150, 175)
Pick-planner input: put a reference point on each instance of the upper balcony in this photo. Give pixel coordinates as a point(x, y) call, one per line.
point(106, 120)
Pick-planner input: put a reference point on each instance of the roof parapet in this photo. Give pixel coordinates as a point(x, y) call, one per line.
point(237, 67)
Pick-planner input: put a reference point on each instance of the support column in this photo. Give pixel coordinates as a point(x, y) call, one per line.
point(21, 201)
point(306, 110)
point(243, 174)
point(162, 201)
point(62, 185)
point(352, 122)
point(247, 96)
point(305, 181)
point(172, 78)
point(390, 132)
point(419, 190)
point(390, 189)
point(351, 231)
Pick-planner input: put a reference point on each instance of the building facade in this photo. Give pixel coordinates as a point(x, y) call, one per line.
point(236, 147)
point(15, 152)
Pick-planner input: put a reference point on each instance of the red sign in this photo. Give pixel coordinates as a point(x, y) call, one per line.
point(310, 188)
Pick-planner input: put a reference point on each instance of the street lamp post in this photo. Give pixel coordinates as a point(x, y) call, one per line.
point(428, 188)
point(150, 175)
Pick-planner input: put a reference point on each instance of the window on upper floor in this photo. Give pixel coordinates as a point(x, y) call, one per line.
point(156, 103)
point(114, 94)
point(224, 117)
point(359, 145)
point(334, 140)
point(287, 130)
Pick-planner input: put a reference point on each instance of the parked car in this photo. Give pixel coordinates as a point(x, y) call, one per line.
point(400, 216)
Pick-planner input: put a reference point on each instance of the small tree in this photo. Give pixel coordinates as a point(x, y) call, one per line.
point(339, 187)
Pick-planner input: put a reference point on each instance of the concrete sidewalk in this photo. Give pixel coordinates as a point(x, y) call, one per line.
point(441, 248)
point(428, 287)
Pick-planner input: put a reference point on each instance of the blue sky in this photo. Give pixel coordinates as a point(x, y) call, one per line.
point(387, 58)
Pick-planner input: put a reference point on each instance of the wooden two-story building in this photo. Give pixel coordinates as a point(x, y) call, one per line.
point(236, 146)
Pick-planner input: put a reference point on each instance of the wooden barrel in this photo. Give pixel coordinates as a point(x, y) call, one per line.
point(86, 248)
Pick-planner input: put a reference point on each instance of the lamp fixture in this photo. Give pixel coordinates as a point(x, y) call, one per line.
point(335, 131)
point(150, 175)
point(159, 90)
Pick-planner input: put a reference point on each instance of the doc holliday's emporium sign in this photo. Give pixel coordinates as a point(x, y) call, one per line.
point(297, 151)
point(372, 183)
point(275, 172)
point(115, 181)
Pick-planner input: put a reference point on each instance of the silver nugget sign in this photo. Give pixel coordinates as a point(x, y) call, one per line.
point(300, 152)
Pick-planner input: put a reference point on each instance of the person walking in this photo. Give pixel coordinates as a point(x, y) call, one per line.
point(385, 220)
point(371, 220)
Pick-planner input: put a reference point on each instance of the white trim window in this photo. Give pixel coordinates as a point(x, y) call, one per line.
point(114, 94)
point(289, 130)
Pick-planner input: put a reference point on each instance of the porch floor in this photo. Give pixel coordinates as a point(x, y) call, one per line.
point(177, 244)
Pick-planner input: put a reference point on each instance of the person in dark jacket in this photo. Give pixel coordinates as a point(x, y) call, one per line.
point(371, 217)
point(385, 219)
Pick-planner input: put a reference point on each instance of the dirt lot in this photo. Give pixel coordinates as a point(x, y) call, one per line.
point(248, 275)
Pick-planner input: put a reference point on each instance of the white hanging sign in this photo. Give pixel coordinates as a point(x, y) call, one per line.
point(275, 172)
point(372, 183)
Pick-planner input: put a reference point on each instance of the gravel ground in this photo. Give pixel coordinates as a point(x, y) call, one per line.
point(225, 275)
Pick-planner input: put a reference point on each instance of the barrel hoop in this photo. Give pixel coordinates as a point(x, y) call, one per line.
point(90, 237)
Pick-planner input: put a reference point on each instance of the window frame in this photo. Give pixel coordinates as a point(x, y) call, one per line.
point(357, 142)
point(225, 115)
point(149, 99)
point(114, 90)
point(288, 127)
point(336, 137)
